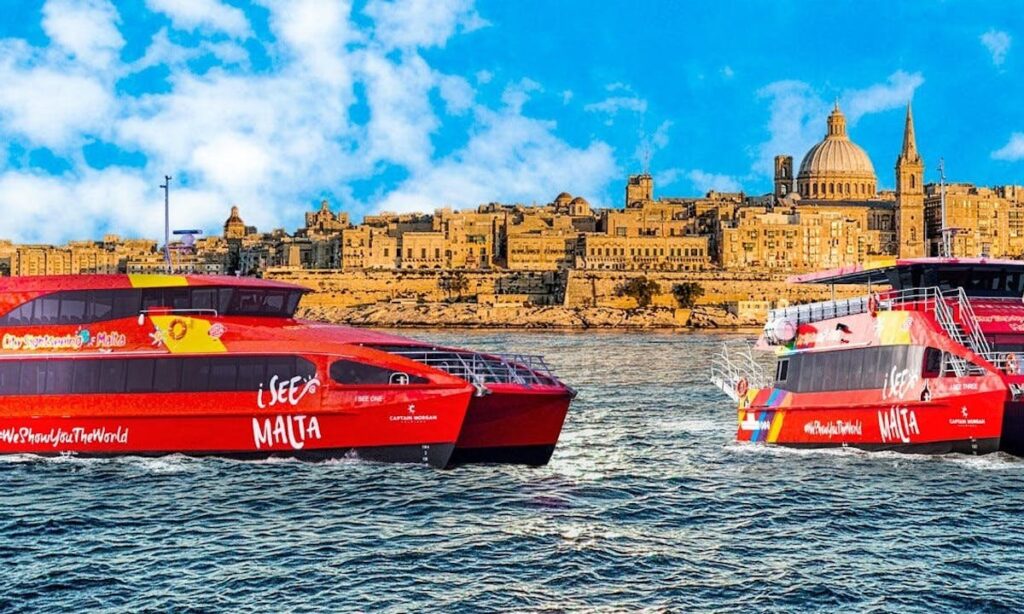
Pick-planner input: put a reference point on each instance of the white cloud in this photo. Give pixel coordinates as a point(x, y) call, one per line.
point(457, 94)
point(269, 140)
point(315, 34)
point(510, 158)
point(727, 72)
point(203, 14)
point(668, 176)
point(894, 93)
point(421, 23)
point(52, 107)
point(122, 198)
point(401, 116)
point(567, 96)
point(796, 121)
point(998, 44)
point(162, 51)
point(614, 104)
point(705, 182)
point(797, 112)
point(85, 29)
point(1013, 150)
point(518, 93)
point(650, 144)
point(484, 77)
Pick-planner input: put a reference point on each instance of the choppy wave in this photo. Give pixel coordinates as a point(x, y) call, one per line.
point(647, 505)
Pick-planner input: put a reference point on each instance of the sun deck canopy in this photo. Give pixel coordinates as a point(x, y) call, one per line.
point(981, 277)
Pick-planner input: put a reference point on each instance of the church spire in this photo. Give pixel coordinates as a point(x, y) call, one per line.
point(909, 152)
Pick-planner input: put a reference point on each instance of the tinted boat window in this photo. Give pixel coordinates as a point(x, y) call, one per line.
point(856, 369)
point(166, 375)
point(10, 371)
point(204, 298)
point(350, 372)
point(59, 376)
point(139, 376)
point(33, 378)
point(111, 376)
point(72, 309)
point(47, 310)
point(223, 374)
point(147, 375)
point(87, 376)
point(83, 307)
point(195, 374)
point(932, 363)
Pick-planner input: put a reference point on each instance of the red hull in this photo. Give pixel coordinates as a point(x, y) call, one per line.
point(235, 426)
point(513, 424)
point(971, 424)
point(143, 364)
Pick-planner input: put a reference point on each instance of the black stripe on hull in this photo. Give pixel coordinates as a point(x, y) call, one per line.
point(436, 455)
point(534, 456)
point(1013, 429)
point(959, 446)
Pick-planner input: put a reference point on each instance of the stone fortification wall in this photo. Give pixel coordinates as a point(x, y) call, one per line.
point(366, 287)
point(576, 289)
point(595, 288)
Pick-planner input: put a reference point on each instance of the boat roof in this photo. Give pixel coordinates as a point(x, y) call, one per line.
point(55, 283)
point(878, 271)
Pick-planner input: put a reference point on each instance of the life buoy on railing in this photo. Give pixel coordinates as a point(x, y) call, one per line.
point(177, 329)
point(742, 387)
point(873, 304)
point(1010, 364)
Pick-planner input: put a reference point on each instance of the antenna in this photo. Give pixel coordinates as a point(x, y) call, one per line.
point(167, 221)
point(645, 149)
point(948, 234)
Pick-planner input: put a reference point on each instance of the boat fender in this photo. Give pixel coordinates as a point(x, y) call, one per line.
point(1011, 365)
point(742, 387)
point(178, 329)
point(873, 304)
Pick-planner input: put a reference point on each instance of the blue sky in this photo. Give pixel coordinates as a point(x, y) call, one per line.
point(410, 105)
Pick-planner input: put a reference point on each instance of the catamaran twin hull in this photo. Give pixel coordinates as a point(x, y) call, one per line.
point(101, 365)
point(916, 368)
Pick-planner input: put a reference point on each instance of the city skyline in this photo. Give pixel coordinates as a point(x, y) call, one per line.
point(384, 106)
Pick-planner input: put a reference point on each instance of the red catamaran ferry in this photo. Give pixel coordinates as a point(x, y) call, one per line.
point(156, 364)
point(932, 364)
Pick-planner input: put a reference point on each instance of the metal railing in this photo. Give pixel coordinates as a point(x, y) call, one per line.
point(482, 369)
point(962, 326)
point(823, 310)
point(735, 362)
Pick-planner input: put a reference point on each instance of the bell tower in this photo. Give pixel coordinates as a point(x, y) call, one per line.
point(783, 176)
point(910, 195)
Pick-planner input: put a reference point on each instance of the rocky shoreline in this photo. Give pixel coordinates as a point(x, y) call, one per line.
point(474, 315)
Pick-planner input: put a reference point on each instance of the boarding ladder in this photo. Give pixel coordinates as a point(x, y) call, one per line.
point(963, 328)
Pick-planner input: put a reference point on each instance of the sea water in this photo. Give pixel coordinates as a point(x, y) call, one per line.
point(648, 503)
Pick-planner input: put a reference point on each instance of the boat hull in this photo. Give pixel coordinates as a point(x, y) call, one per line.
point(512, 425)
point(418, 428)
point(966, 423)
point(1012, 441)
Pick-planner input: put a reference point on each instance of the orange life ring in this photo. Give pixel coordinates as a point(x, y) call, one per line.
point(873, 304)
point(1010, 364)
point(742, 387)
point(177, 329)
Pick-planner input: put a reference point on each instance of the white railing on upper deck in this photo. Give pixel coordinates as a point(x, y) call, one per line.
point(962, 325)
point(734, 363)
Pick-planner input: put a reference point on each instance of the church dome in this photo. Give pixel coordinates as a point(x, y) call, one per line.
point(836, 168)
